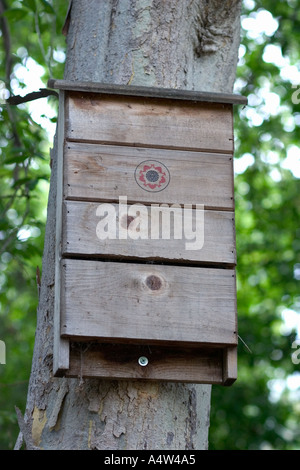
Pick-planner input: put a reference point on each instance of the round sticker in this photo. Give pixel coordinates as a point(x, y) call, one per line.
point(152, 175)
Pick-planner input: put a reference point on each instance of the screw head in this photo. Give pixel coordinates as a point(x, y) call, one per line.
point(143, 361)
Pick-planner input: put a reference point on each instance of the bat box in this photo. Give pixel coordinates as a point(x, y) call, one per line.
point(145, 283)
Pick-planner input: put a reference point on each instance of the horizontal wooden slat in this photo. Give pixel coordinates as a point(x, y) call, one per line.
point(120, 361)
point(150, 92)
point(103, 173)
point(213, 240)
point(149, 122)
point(148, 303)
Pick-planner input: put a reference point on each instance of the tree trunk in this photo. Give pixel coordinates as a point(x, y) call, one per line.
point(184, 44)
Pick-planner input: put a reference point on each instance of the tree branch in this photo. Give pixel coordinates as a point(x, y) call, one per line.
point(8, 67)
point(6, 41)
point(35, 95)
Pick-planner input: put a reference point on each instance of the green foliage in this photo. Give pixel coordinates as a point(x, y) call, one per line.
point(254, 413)
point(259, 411)
point(30, 29)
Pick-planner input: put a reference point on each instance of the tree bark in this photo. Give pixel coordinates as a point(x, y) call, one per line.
point(184, 44)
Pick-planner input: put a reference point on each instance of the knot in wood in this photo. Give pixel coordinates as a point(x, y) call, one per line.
point(153, 282)
point(126, 221)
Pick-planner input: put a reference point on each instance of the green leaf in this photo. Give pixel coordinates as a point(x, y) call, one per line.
point(15, 159)
point(33, 183)
point(47, 7)
point(15, 14)
point(21, 182)
point(31, 4)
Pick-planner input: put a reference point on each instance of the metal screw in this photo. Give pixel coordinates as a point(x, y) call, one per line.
point(143, 361)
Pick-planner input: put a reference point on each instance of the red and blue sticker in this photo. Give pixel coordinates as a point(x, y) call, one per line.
point(152, 176)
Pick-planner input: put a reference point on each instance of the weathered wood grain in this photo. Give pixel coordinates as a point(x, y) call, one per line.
point(229, 365)
point(60, 345)
point(149, 303)
point(149, 122)
point(120, 361)
point(175, 310)
point(149, 92)
point(213, 240)
point(103, 173)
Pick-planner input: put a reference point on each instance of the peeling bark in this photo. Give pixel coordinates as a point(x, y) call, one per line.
point(185, 44)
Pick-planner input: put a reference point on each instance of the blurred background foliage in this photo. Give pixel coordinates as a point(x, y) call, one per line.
point(31, 51)
point(262, 409)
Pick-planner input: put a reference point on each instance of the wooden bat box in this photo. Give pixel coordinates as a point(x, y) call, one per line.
point(145, 282)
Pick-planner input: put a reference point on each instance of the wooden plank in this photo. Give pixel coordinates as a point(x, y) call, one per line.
point(150, 92)
point(229, 365)
point(103, 173)
point(61, 346)
point(84, 232)
point(149, 122)
point(119, 361)
point(148, 303)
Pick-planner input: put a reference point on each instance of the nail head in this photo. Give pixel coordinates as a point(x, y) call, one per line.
point(143, 361)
